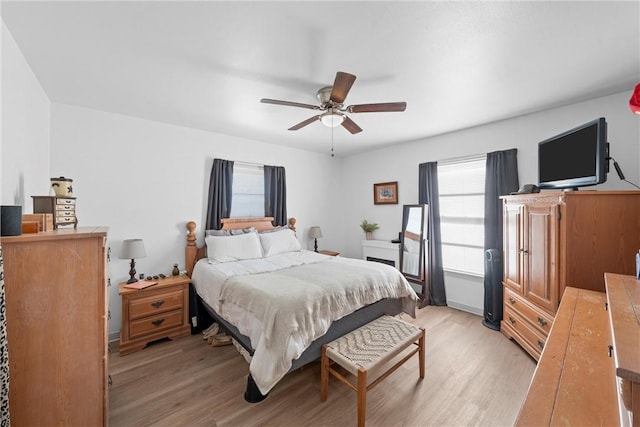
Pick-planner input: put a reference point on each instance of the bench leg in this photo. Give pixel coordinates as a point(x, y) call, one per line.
point(324, 374)
point(362, 396)
point(421, 352)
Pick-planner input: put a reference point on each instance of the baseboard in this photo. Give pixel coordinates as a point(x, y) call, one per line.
point(464, 307)
point(114, 336)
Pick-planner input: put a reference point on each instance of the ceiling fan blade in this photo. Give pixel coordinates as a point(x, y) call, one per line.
point(289, 103)
point(341, 86)
point(351, 126)
point(377, 108)
point(305, 122)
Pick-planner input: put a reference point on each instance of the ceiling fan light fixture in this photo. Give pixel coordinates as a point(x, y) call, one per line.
point(332, 119)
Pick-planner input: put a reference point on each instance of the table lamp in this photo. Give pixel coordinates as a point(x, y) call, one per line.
point(315, 232)
point(132, 249)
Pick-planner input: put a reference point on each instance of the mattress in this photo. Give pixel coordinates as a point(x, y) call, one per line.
point(284, 302)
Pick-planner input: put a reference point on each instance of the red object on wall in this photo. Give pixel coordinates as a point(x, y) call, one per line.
point(634, 102)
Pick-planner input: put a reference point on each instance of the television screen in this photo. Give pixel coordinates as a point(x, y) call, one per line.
point(576, 158)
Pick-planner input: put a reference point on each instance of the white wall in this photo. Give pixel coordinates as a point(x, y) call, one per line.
point(400, 163)
point(146, 180)
point(24, 146)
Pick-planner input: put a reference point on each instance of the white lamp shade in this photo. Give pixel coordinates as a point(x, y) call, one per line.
point(315, 232)
point(132, 249)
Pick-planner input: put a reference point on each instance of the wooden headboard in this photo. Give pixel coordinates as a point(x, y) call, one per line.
point(193, 253)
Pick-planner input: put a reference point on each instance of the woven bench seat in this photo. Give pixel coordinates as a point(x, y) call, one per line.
point(368, 348)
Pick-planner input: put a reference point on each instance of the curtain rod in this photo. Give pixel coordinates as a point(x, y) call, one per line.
point(239, 163)
point(462, 159)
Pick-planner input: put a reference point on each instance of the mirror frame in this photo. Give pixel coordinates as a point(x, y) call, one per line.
point(420, 277)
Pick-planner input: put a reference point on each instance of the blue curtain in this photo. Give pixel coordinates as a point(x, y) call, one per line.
point(428, 194)
point(4, 355)
point(275, 194)
point(501, 179)
point(220, 191)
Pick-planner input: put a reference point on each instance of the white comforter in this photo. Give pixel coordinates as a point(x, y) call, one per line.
point(283, 303)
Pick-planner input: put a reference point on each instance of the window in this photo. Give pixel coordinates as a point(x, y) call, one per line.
point(461, 187)
point(247, 191)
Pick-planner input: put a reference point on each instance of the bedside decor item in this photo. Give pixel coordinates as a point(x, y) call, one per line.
point(10, 220)
point(132, 249)
point(175, 271)
point(368, 228)
point(315, 232)
point(62, 187)
point(385, 193)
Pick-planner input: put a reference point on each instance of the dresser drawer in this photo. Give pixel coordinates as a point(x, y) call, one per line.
point(533, 338)
point(159, 322)
point(538, 318)
point(158, 303)
point(65, 219)
point(65, 202)
point(63, 214)
point(65, 208)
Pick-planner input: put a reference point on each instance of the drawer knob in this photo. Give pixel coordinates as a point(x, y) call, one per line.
point(512, 301)
point(158, 322)
point(157, 304)
point(541, 321)
point(540, 345)
point(512, 320)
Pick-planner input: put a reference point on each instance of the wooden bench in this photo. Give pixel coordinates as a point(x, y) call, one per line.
point(574, 382)
point(369, 348)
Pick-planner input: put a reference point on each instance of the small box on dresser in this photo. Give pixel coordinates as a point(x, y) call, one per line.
point(155, 312)
point(63, 209)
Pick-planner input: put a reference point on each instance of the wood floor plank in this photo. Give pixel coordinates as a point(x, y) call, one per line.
point(474, 377)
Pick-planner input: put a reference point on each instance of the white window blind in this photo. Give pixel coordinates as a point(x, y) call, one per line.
point(247, 191)
point(461, 188)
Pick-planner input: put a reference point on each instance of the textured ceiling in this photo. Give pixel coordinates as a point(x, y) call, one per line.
point(206, 65)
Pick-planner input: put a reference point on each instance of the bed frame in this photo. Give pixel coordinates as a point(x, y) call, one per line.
point(193, 253)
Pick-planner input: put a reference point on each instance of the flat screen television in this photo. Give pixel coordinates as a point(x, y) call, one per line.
point(575, 158)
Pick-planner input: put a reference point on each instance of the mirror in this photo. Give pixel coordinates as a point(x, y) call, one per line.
point(413, 239)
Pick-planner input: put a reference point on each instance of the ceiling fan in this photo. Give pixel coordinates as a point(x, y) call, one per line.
point(332, 105)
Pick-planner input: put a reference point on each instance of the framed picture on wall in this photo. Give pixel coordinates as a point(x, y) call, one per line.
point(385, 193)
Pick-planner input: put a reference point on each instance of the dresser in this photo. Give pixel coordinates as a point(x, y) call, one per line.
point(155, 312)
point(589, 371)
point(558, 239)
point(56, 310)
point(63, 209)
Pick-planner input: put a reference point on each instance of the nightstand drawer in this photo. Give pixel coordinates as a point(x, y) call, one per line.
point(158, 303)
point(151, 324)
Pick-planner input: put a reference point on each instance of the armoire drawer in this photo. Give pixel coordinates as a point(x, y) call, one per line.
point(538, 318)
point(533, 338)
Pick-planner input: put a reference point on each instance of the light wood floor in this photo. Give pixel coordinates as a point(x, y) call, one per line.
point(474, 376)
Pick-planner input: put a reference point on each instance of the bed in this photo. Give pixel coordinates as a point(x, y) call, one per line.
point(281, 302)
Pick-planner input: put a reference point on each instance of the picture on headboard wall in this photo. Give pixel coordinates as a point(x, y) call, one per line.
point(385, 193)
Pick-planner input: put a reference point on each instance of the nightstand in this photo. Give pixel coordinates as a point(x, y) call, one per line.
point(159, 311)
point(330, 253)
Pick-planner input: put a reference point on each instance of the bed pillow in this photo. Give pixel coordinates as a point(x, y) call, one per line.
point(278, 242)
point(233, 247)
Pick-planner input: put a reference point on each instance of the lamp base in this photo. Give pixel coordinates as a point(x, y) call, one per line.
point(315, 245)
point(132, 272)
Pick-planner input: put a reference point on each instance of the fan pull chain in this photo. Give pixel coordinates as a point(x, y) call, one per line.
point(332, 142)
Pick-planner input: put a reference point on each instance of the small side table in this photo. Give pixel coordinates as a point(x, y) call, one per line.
point(159, 311)
point(330, 253)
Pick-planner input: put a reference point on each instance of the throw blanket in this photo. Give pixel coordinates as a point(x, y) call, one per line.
point(298, 305)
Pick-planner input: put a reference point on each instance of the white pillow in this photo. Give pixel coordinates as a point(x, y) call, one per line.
point(278, 242)
point(233, 247)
